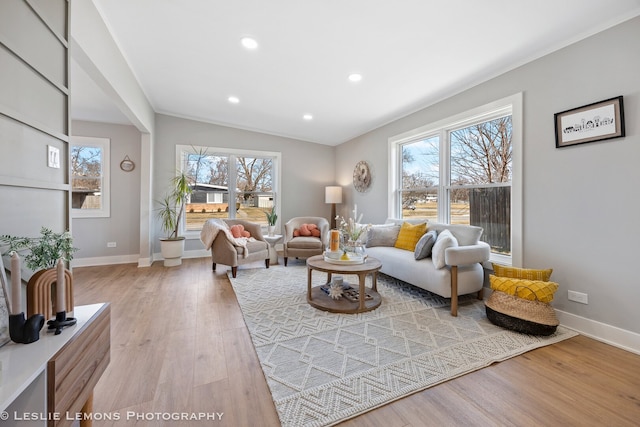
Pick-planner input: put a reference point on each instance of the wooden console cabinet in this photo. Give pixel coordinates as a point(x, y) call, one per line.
point(49, 382)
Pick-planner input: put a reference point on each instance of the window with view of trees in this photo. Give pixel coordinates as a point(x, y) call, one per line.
point(89, 162)
point(459, 171)
point(229, 184)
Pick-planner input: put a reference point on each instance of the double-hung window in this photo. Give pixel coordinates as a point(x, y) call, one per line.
point(90, 190)
point(461, 171)
point(229, 183)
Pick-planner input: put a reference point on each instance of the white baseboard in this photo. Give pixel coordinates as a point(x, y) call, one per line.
point(612, 335)
point(106, 260)
point(200, 253)
point(132, 259)
point(144, 262)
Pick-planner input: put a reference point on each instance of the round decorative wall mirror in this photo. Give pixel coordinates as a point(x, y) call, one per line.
point(127, 164)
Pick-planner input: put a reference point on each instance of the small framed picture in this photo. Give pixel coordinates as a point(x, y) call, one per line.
point(594, 122)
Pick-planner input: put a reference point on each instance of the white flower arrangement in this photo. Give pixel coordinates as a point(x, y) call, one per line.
point(351, 227)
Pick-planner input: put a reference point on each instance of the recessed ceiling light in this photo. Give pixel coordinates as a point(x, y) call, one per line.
point(307, 117)
point(249, 43)
point(355, 77)
point(233, 99)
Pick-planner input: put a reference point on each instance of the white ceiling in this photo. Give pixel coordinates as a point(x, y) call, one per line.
point(188, 58)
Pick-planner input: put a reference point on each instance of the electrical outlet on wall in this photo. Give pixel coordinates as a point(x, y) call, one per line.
point(111, 244)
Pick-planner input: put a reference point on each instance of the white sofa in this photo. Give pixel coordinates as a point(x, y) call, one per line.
point(462, 274)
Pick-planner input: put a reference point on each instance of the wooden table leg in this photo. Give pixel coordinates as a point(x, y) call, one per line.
point(374, 281)
point(87, 409)
point(454, 290)
point(362, 297)
point(309, 283)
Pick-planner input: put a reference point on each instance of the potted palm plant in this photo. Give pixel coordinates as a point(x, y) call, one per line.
point(272, 217)
point(170, 213)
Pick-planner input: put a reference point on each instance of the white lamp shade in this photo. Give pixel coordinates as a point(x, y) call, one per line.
point(333, 194)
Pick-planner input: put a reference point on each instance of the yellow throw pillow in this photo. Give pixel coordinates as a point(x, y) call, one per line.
point(409, 235)
point(522, 273)
point(533, 290)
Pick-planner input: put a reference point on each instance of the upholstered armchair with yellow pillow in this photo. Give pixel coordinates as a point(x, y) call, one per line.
point(445, 259)
point(305, 236)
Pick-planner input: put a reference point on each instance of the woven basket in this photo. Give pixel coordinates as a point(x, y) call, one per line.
point(521, 315)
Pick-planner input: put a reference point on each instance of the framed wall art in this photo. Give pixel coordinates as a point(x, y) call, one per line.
point(594, 122)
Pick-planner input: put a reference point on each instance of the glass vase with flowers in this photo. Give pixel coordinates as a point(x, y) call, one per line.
point(353, 232)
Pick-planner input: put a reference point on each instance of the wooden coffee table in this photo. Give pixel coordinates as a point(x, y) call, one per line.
point(317, 298)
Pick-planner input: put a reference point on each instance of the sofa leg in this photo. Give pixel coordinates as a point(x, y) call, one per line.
point(234, 271)
point(454, 290)
point(481, 294)
point(266, 262)
point(213, 267)
point(285, 261)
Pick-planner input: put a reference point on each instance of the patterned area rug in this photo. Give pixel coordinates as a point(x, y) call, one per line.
point(323, 368)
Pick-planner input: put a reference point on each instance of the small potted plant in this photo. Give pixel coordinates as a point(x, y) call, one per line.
point(170, 213)
point(44, 251)
point(272, 217)
point(41, 254)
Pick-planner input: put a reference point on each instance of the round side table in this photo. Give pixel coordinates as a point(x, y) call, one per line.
point(273, 240)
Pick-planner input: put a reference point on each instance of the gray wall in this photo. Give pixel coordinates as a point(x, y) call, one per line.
point(580, 209)
point(94, 50)
point(34, 113)
point(92, 234)
point(306, 167)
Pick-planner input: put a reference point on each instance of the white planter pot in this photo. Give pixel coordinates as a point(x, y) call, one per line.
point(271, 230)
point(172, 251)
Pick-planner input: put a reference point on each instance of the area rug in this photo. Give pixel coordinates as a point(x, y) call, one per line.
point(323, 368)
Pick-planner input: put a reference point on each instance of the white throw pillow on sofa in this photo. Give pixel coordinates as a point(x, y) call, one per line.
point(445, 240)
point(464, 234)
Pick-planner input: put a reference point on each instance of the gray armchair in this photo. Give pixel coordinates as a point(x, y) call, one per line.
point(223, 251)
point(303, 246)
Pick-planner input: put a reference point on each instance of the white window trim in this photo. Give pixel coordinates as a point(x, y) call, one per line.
point(513, 102)
point(277, 156)
point(104, 144)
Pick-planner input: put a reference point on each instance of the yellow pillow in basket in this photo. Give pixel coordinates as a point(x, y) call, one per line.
point(409, 235)
point(522, 273)
point(533, 290)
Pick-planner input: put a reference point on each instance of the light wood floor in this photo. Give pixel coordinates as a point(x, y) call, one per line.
point(179, 345)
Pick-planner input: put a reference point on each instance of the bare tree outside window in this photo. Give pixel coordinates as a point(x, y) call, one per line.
point(420, 177)
point(481, 154)
point(246, 193)
point(86, 177)
point(480, 160)
point(254, 175)
point(477, 190)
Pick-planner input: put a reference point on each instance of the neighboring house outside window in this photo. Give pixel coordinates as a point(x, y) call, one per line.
point(460, 171)
point(229, 183)
point(90, 189)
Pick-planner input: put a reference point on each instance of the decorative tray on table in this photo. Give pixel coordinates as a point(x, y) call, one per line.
point(335, 258)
